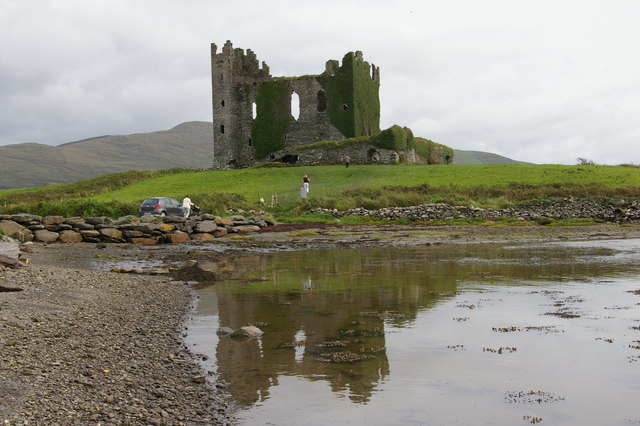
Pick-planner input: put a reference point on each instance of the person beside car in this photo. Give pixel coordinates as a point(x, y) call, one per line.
point(186, 206)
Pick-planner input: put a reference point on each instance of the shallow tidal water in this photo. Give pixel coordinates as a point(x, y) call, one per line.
point(543, 333)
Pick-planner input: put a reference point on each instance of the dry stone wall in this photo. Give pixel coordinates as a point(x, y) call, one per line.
point(620, 210)
point(147, 230)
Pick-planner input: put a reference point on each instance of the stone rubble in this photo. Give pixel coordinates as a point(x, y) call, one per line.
point(146, 230)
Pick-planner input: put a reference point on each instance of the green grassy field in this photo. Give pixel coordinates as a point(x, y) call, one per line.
point(333, 187)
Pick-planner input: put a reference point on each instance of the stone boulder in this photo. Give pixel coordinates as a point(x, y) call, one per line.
point(111, 233)
point(91, 233)
point(10, 262)
point(151, 219)
point(52, 220)
point(247, 331)
point(225, 331)
point(9, 247)
point(74, 221)
point(26, 218)
point(126, 220)
point(177, 237)
point(202, 237)
point(224, 221)
point(206, 226)
point(70, 237)
point(243, 229)
point(100, 220)
point(220, 232)
point(148, 241)
point(45, 236)
point(12, 228)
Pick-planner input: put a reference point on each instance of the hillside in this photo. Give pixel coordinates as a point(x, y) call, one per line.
point(187, 145)
point(31, 164)
point(480, 157)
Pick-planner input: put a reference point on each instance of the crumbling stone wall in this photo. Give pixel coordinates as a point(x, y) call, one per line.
point(252, 120)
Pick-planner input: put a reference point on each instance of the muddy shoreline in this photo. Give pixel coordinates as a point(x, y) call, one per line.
point(85, 345)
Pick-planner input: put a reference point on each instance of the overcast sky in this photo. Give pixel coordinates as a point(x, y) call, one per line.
point(545, 81)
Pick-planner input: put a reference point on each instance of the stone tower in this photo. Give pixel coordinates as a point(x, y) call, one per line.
point(252, 111)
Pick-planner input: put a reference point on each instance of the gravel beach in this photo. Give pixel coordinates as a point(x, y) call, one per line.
point(81, 346)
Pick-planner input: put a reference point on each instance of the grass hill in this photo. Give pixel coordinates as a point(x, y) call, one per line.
point(338, 187)
point(31, 164)
point(187, 145)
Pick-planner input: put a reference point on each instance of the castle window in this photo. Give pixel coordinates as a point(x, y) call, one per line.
point(221, 77)
point(295, 105)
point(254, 111)
point(222, 103)
point(322, 100)
point(249, 141)
point(222, 128)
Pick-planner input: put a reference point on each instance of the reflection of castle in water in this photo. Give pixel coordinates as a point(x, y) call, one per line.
point(337, 295)
point(339, 305)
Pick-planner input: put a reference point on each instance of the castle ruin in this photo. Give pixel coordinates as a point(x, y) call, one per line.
point(339, 116)
point(252, 117)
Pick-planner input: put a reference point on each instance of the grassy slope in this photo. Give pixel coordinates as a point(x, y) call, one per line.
point(331, 186)
point(332, 180)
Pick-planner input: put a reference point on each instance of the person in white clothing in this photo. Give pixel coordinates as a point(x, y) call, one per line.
point(186, 206)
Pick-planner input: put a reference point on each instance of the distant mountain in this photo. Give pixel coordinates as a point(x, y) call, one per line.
point(479, 157)
point(186, 145)
point(32, 164)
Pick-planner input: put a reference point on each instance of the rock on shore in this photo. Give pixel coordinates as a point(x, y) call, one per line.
point(90, 347)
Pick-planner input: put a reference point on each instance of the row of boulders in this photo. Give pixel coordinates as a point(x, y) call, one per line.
point(144, 230)
point(619, 210)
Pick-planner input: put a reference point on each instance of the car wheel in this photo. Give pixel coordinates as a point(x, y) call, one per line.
point(163, 214)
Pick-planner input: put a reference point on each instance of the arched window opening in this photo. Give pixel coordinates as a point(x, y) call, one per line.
point(222, 128)
point(222, 102)
point(322, 101)
point(221, 76)
point(295, 105)
point(250, 143)
point(254, 110)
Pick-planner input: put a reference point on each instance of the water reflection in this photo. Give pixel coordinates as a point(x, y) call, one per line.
point(329, 316)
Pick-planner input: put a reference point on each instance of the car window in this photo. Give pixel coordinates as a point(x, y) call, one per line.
point(151, 201)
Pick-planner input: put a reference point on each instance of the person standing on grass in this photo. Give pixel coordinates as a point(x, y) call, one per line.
point(347, 161)
point(305, 184)
point(186, 206)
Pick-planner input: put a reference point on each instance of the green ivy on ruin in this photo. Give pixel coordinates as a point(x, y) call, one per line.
point(394, 138)
point(353, 97)
point(273, 117)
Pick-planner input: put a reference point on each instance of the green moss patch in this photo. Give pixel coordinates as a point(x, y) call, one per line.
point(353, 97)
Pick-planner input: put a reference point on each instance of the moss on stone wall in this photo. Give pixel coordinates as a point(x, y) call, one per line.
point(353, 97)
point(433, 152)
point(273, 103)
point(395, 138)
